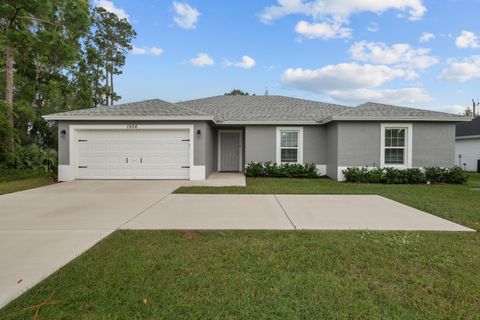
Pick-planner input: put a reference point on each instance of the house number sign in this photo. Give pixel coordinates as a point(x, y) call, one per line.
point(132, 126)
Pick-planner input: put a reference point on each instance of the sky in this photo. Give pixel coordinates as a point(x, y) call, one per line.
point(416, 53)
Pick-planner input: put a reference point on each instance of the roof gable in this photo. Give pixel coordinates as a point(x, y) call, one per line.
point(386, 112)
point(148, 109)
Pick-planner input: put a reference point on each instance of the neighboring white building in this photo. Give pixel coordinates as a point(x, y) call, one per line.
point(467, 145)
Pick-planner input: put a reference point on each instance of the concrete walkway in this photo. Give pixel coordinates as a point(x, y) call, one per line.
point(43, 229)
point(220, 179)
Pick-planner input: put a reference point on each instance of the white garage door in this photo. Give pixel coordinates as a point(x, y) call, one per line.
point(133, 154)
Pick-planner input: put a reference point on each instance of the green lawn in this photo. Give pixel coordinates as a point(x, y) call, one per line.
point(13, 181)
point(277, 274)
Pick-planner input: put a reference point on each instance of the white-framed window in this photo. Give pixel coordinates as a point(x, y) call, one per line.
point(289, 145)
point(396, 145)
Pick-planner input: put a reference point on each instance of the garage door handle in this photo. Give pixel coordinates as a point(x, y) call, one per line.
point(141, 160)
point(185, 167)
point(126, 160)
point(82, 167)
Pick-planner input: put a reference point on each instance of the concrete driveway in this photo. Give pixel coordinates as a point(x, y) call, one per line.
point(43, 229)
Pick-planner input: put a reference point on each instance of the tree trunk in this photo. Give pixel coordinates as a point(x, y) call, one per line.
point(97, 80)
point(9, 91)
point(107, 87)
point(111, 87)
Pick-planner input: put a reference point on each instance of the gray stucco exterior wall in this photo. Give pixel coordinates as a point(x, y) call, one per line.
point(433, 144)
point(359, 144)
point(210, 153)
point(314, 144)
point(260, 144)
point(202, 147)
point(332, 149)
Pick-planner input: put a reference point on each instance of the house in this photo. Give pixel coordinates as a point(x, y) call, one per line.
point(467, 145)
point(155, 139)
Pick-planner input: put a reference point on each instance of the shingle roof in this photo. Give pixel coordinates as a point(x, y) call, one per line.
point(471, 128)
point(254, 109)
point(380, 111)
point(150, 109)
point(263, 108)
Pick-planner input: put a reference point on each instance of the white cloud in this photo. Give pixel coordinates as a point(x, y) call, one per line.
point(186, 16)
point(400, 54)
point(373, 27)
point(340, 8)
point(389, 96)
point(343, 76)
point(461, 70)
point(246, 63)
point(110, 7)
point(426, 37)
point(453, 108)
point(467, 40)
point(322, 30)
point(145, 51)
point(201, 60)
point(355, 82)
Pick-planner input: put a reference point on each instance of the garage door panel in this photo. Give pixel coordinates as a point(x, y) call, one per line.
point(152, 154)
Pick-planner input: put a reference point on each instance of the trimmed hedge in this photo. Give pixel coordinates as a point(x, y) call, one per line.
point(284, 170)
point(453, 175)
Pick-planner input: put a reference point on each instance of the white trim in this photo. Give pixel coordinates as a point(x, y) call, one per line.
point(467, 137)
point(197, 173)
point(66, 172)
point(408, 146)
point(127, 118)
point(262, 122)
point(219, 148)
point(321, 169)
point(300, 143)
point(340, 176)
point(73, 143)
point(381, 118)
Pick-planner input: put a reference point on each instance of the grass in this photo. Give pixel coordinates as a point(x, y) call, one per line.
point(278, 274)
point(265, 275)
point(18, 180)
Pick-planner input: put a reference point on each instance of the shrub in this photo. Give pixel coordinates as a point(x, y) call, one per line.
point(32, 157)
point(284, 170)
point(453, 175)
point(434, 174)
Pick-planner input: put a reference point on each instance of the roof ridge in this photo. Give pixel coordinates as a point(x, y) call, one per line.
point(179, 104)
point(380, 104)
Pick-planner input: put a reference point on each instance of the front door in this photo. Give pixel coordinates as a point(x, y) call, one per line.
point(230, 146)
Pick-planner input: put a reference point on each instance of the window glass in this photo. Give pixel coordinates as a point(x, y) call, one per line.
point(289, 139)
point(288, 155)
point(394, 156)
point(289, 146)
point(395, 146)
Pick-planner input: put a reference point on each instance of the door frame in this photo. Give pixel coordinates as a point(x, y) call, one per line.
point(131, 126)
point(219, 148)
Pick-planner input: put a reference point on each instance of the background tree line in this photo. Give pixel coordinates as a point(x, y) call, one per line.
point(57, 55)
